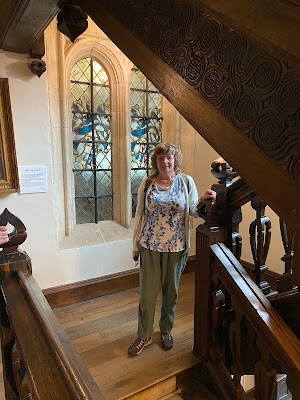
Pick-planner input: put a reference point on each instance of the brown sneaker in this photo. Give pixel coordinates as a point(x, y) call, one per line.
point(166, 340)
point(138, 346)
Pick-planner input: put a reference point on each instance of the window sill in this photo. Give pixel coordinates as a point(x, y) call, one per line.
point(94, 234)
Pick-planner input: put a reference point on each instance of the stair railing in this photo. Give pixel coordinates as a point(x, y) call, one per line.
point(227, 322)
point(248, 336)
point(39, 361)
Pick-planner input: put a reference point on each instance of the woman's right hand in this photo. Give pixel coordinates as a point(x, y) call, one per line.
point(3, 235)
point(135, 255)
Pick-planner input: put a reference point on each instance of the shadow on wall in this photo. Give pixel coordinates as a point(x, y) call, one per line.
point(20, 67)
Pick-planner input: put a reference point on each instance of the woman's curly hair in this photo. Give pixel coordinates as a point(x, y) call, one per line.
point(166, 148)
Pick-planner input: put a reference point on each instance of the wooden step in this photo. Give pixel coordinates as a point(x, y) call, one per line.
point(194, 383)
point(158, 391)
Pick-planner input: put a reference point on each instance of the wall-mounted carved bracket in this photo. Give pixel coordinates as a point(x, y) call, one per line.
point(38, 66)
point(72, 21)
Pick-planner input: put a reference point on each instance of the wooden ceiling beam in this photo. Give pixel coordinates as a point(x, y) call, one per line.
point(23, 21)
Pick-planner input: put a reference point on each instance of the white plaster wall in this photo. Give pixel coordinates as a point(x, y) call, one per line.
point(51, 266)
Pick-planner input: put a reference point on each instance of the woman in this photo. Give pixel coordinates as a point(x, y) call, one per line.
point(161, 240)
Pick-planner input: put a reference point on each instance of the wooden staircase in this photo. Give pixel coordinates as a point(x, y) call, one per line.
point(237, 83)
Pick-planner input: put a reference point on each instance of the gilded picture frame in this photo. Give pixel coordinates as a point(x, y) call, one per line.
point(9, 179)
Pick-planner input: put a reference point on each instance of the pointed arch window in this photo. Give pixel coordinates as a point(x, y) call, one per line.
point(91, 116)
point(146, 125)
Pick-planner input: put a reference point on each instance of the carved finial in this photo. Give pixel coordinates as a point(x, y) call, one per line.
point(72, 21)
point(223, 171)
point(13, 259)
point(18, 235)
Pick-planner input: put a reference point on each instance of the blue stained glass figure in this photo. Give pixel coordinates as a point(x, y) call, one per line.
point(139, 131)
point(92, 140)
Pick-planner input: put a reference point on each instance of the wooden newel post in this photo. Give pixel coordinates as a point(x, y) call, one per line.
point(207, 234)
point(11, 260)
point(212, 231)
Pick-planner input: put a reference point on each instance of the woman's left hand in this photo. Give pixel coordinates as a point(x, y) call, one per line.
point(208, 194)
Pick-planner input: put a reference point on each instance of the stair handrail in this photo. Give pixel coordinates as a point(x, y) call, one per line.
point(238, 194)
point(39, 360)
point(23, 297)
point(274, 337)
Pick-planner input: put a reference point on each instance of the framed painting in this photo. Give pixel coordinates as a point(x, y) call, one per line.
point(9, 180)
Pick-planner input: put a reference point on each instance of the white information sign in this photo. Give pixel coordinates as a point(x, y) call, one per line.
point(33, 179)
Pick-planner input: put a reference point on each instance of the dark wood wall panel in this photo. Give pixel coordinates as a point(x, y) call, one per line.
point(259, 94)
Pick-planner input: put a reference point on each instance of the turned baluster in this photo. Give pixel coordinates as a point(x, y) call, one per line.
point(26, 391)
point(260, 236)
point(265, 373)
point(220, 361)
point(218, 301)
point(284, 283)
point(17, 365)
point(235, 341)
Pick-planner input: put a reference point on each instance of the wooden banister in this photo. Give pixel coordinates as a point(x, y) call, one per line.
point(52, 367)
point(39, 361)
point(274, 337)
point(238, 194)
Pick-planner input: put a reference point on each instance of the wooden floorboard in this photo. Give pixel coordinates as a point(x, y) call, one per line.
point(101, 330)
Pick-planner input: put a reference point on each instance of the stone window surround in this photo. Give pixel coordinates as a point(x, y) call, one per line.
point(120, 75)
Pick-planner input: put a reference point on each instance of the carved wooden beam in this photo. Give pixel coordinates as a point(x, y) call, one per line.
point(23, 22)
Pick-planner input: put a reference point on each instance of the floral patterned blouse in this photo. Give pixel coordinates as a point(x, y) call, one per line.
point(164, 229)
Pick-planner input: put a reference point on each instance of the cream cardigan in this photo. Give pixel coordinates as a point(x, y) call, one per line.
point(191, 209)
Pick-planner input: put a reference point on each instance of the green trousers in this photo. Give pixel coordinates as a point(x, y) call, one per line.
point(157, 269)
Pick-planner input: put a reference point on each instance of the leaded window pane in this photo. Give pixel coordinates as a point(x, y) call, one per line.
point(138, 81)
point(99, 74)
point(103, 155)
point(85, 210)
point(154, 130)
point(151, 87)
point(90, 98)
point(82, 126)
point(138, 155)
point(105, 207)
point(84, 183)
point(138, 130)
point(102, 128)
point(81, 71)
point(138, 103)
point(146, 121)
point(83, 155)
point(80, 97)
point(104, 183)
point(155, 105)
point(102, 100)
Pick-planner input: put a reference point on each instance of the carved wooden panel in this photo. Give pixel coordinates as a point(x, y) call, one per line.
point(258, 93)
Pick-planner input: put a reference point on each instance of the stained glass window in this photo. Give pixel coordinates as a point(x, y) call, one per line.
point(146, 123)
point(90, 99)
